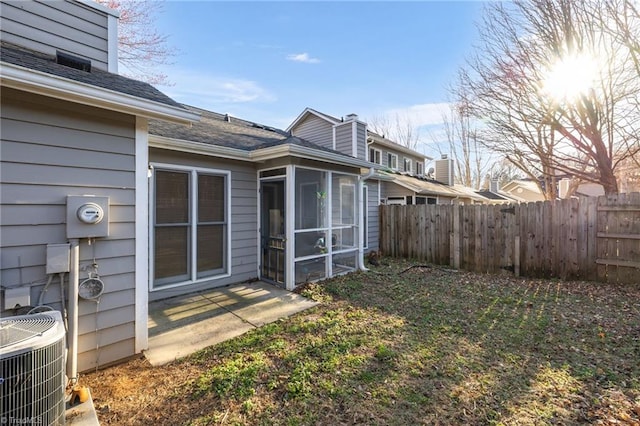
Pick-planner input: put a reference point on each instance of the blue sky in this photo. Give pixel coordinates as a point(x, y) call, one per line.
point(267, 61)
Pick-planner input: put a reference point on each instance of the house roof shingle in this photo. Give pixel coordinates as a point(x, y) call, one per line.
point(492, 195)
point(230, 132)
point(17, 55)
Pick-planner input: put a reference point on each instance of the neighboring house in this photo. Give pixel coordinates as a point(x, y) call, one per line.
point(398, 175)
point(496, 195)
point(191, 199)
point(523, 190)
point(568, 187)
point(403, 179)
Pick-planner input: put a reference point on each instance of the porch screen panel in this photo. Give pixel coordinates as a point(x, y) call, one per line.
point(344, 212)
point(211, 224)
point(171, 260)
point(311, 199)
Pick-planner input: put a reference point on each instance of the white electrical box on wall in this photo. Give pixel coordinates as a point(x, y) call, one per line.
point(87, 216)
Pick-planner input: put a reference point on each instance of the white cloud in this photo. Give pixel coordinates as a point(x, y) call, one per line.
point(201, 89)
point(420, 115)
point(302, 57)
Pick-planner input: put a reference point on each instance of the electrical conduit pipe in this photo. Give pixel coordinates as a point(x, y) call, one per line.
point(72, 309)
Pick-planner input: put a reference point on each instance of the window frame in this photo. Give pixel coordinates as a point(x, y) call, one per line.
point(394, 157)
point(408, 165)
point(192, 256)
point(377, 155)
point(419, 168)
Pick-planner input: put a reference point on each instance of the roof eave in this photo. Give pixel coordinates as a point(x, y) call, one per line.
point(257, 155)
point(300, 117)
point(199, 148)
point(25, 79)
point(375, 138)
point(293, 150)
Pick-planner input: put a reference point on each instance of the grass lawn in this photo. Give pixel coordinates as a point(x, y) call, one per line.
point(398, 346)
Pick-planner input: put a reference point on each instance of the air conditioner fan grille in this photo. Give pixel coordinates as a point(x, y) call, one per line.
point(15, 331)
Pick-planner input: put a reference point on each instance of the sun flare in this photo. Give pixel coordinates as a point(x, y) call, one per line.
point(570, 77)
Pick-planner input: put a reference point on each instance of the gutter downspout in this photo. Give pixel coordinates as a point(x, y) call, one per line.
point(361, 180)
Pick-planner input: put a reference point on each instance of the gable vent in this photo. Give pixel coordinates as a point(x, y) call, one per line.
point(73, 61)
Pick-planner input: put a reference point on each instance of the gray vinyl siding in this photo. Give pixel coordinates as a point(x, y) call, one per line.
point(401, 156)
point(316, 130)
point(373, 217)
point(47, 26)
point(51, 149)
point(244, 218)
point(362, 150)
point(390, 189)
point(344, 138)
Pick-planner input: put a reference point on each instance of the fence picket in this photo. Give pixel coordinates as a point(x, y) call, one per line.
point(591, 238)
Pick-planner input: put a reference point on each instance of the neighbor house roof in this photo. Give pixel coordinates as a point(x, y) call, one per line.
point(231, 137)
point(424, 186)
point(311, 111)
point(494, 196)
point(37, 72)
point(525, 184)
point(379, 139)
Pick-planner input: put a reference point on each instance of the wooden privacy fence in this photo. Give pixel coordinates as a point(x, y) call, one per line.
point(595, 238)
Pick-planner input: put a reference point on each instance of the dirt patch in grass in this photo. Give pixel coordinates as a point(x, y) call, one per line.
point(424, 345)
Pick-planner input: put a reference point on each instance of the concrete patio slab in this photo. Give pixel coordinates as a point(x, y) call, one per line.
point(83, 414)
point(183, 325)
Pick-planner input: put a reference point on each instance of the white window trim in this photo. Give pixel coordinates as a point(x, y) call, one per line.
point(376, 152)
point(193, 279)
point(419, 168)
point(402, 201)
point(409, 162)
point(391, 156)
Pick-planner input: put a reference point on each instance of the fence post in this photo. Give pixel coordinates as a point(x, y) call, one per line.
point(516, 256)
point(456, 236)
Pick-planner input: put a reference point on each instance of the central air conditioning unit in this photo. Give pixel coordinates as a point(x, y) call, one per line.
point(32, 369)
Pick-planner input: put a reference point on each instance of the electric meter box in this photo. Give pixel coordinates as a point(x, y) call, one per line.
point(87, 216)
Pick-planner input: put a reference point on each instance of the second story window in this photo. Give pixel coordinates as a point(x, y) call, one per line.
point(407, 165)
point(419, 169)
point(375, 156)
point(392, 161)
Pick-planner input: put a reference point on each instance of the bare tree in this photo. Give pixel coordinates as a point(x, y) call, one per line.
point(504, 172)
point(397, 128)
point(141, 49)
point(585, 133)
point(501, 82)
point(472, 162)
point(622, 21)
